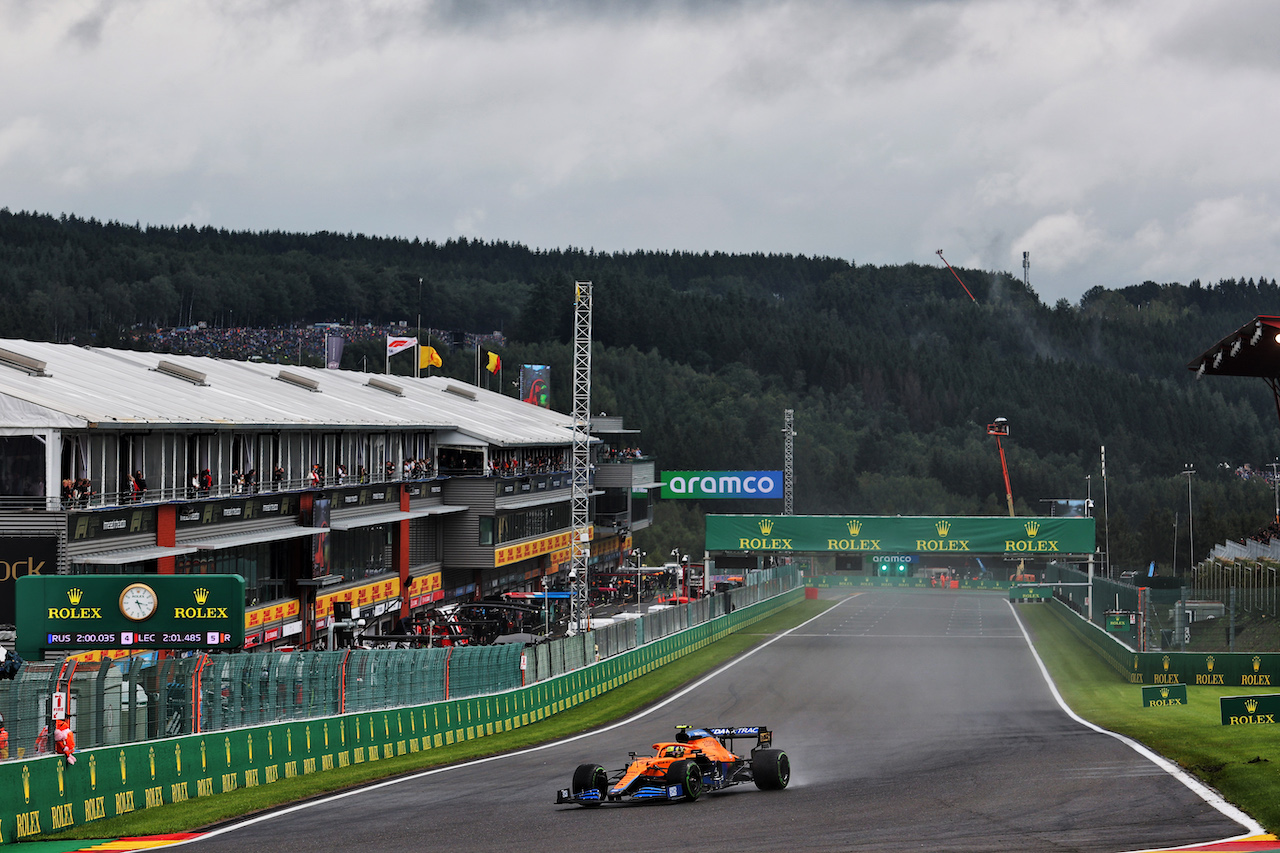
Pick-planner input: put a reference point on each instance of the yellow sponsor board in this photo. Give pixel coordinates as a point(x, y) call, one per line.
point(533, 548)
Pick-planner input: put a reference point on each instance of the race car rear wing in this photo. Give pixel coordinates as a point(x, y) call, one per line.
point(726, 734)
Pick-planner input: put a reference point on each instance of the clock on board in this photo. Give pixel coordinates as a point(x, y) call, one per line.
point(138, 602)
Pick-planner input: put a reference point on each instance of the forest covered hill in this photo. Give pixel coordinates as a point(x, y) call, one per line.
point(893, 371)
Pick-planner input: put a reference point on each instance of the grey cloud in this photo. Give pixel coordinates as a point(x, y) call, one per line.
point(1223, 35)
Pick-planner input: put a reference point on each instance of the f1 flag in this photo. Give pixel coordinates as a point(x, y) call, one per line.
point(395, 345)
point(428, 357)
point(495, 363)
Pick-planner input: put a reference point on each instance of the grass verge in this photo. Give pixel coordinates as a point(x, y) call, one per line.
point(205, 812)
point(1236, 760)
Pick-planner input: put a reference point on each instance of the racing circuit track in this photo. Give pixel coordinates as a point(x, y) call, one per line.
point(914, 720)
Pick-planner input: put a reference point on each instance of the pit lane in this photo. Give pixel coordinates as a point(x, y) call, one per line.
point(914, 720)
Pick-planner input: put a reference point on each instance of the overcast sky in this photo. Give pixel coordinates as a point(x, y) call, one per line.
point(1115, 141)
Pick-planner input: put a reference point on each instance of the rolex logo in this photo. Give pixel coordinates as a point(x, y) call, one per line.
point(202, 595)
point(1165, 661)
point(766, 526)
point(1164, 692)
point(855, 527)
point(75, 594)
point(1032, 528)
point(1257, 662)
point(1209, 662)
point(943, 527)
point(1251, 705)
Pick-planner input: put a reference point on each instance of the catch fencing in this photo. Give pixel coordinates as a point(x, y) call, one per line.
point(1158, 607)
point(40, 794)
point(140, 699)
point(1216, 669)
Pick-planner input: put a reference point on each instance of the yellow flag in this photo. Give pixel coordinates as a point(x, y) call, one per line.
point(428, 357)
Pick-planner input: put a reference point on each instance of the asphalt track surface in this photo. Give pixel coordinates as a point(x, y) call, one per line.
point(914, 721)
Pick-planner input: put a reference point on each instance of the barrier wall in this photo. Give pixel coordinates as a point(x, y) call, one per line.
point(45, 795)
point(1224, 669)
point(851, 580)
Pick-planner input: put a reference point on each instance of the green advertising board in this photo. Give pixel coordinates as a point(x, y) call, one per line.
point(1119, 623)
point(1164, 695)
point(1030, 593)
point(70, 612)
point(1222, 669)
point(1260, 709)
point(891, 534)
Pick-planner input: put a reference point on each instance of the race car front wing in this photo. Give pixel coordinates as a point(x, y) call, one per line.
point(645, 792)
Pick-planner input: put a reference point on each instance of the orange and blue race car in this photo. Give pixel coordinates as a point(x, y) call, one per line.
point(697, 761)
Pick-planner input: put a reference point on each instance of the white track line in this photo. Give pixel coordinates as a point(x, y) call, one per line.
point(627, 721)
point(1200, 789)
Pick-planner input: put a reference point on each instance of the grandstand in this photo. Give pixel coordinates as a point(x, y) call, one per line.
point(289, 344)
point(1243, 575)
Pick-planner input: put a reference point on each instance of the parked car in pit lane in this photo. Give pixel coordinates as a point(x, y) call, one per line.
point(697, 761)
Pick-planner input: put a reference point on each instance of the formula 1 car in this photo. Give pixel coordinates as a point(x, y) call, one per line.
point(699, 760)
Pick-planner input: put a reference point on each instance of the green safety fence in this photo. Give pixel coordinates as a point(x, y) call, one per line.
point(1224, 669)
point(1156, 605)
point(143, 698)
point(43, 794)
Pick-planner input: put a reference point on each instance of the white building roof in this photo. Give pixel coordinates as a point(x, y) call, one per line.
point(78, 387)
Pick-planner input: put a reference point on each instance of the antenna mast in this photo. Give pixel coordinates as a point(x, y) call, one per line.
point(579, 561)
point(789, 462)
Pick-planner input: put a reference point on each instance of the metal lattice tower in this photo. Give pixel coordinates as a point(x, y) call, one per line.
point(579, 562)
point(789, 462)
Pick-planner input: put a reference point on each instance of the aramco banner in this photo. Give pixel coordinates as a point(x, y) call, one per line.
point(894, 534)
point(721, 484)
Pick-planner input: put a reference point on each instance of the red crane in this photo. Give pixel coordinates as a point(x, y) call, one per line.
point(1001, 428)
point(962, 284)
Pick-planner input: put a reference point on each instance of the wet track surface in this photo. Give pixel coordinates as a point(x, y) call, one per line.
point(914, 721)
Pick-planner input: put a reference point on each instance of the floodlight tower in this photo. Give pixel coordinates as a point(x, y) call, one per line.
point(579, 502)
point(998, 428)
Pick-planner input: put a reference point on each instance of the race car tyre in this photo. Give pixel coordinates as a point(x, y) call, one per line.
point(688, 774)
point(771, 769)
point(590, 777)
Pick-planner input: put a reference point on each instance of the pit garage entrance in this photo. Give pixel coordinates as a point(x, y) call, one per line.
point(927, 547)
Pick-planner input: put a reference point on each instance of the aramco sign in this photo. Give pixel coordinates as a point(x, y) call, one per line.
point(693, 485)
